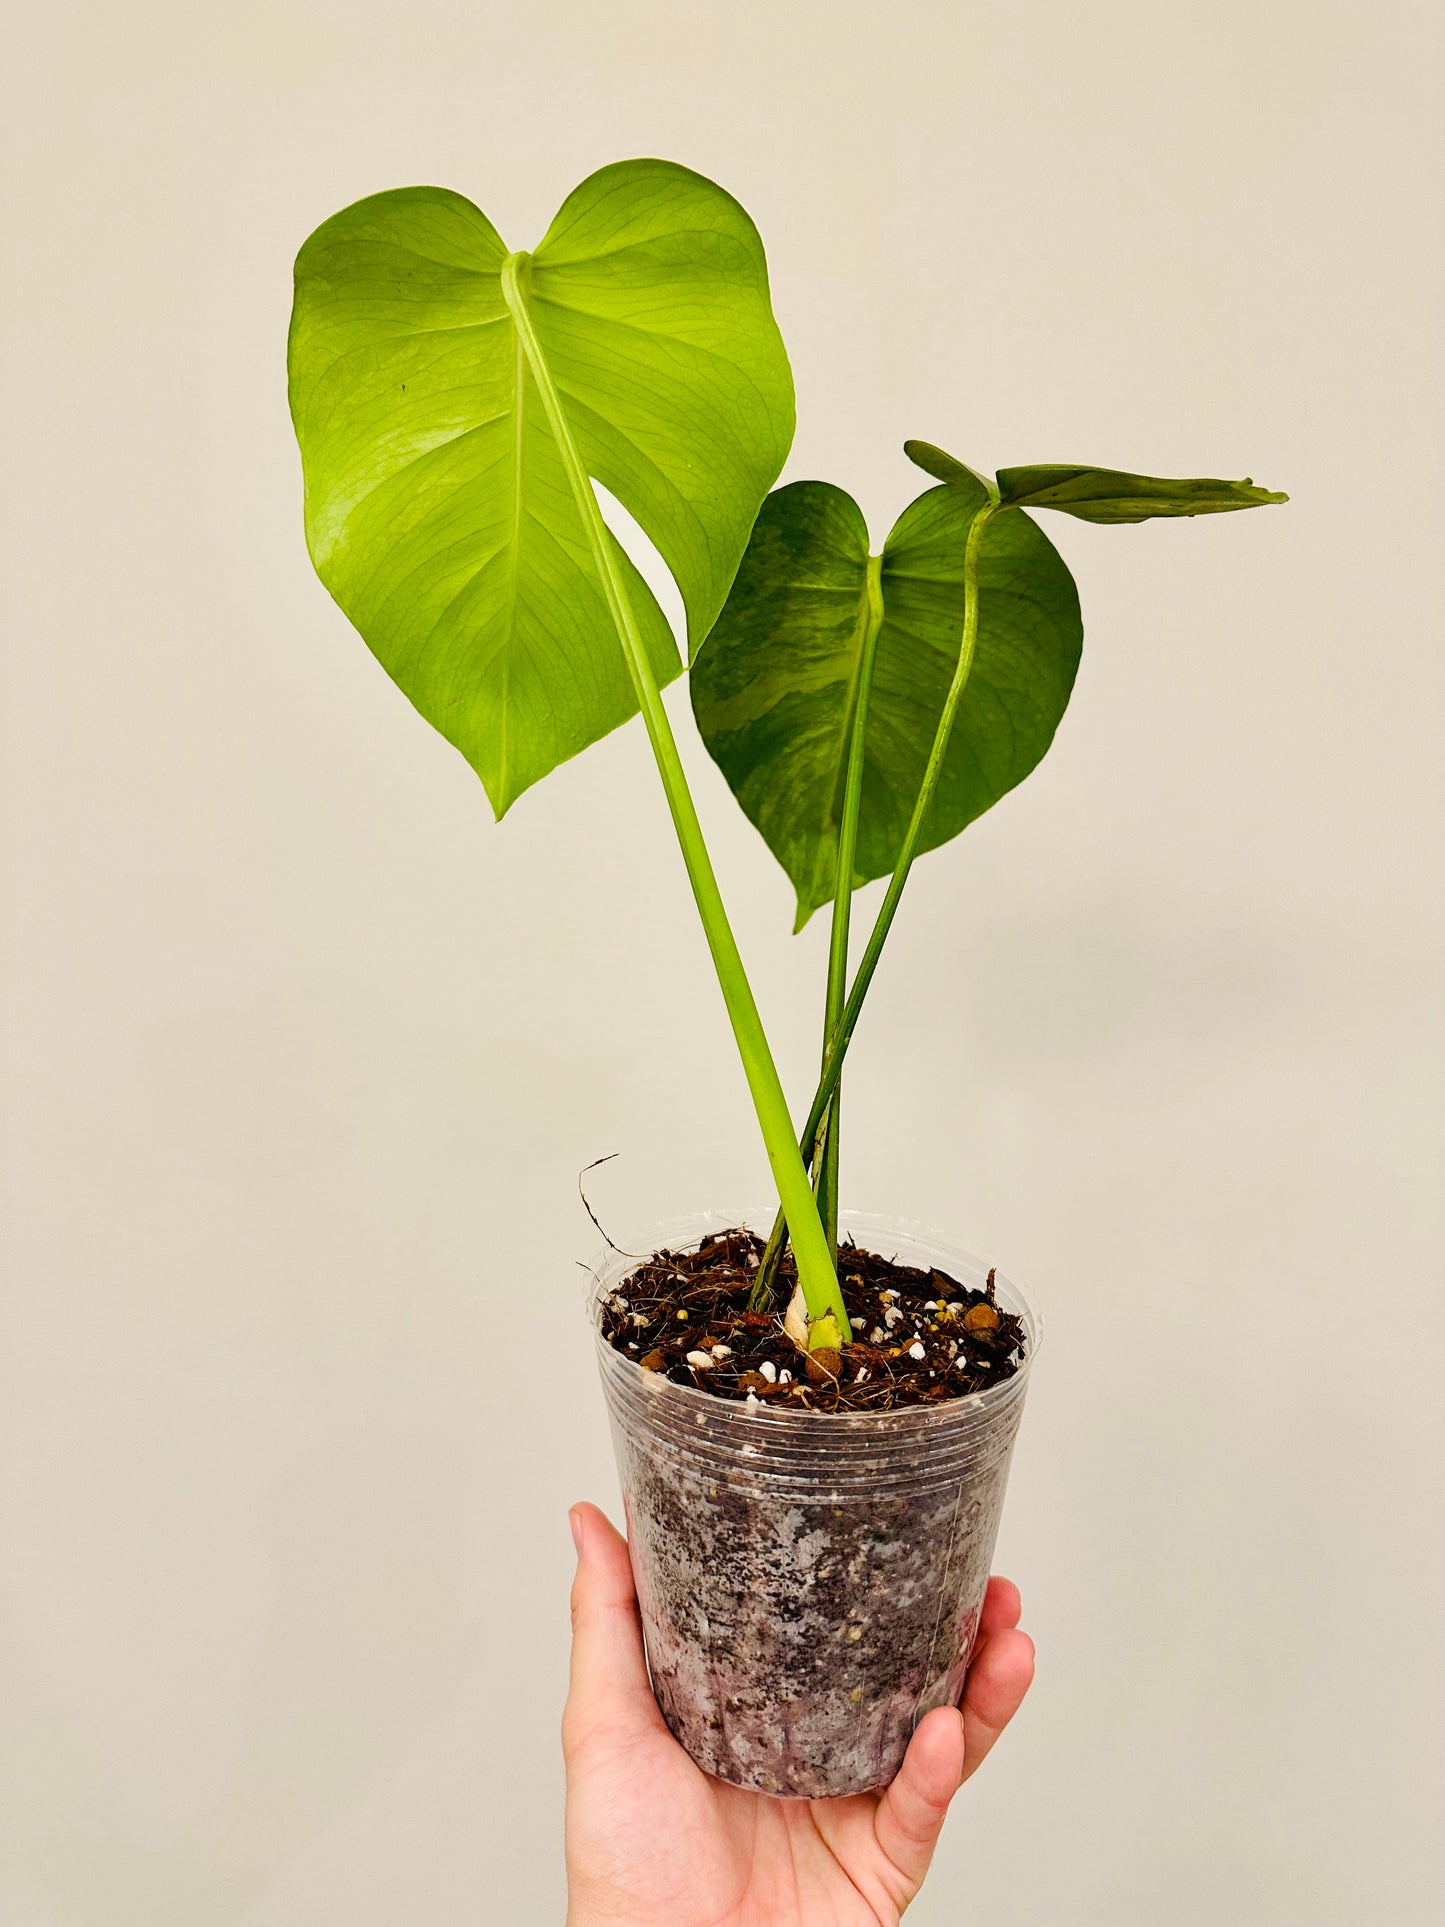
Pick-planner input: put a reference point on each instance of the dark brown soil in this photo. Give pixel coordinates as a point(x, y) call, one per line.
point(919, 1336)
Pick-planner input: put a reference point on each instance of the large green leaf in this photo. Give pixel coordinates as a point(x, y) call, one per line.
point(772, 688)
point(438, 510)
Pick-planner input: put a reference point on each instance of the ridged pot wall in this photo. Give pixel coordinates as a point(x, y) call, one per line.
point(810, 1583)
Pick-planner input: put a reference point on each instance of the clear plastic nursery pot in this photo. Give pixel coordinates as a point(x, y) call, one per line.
point(810, 1583)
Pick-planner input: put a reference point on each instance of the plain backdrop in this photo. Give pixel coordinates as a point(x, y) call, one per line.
point(303, 1054)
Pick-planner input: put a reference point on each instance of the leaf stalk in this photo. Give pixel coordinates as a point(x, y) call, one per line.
point(825, 1157)
point(933, 770)
point(817, 1273)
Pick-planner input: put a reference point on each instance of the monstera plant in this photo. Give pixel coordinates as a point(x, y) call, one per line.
point(866, 708)
point(456, 400)
point(458, 404)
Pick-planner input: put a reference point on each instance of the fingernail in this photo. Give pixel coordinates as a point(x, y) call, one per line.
point(574, 1519)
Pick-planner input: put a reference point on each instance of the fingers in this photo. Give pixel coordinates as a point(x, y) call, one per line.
point(1002, 1608)
point(948, 1746)
point(911, 1812)
point(610, 1692)
point(1001, 1673)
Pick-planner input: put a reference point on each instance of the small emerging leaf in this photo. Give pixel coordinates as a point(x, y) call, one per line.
point(944, 467)
point(795, 1319)
point(1110, 495)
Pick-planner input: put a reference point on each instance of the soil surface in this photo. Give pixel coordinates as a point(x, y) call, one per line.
point(918, 1336)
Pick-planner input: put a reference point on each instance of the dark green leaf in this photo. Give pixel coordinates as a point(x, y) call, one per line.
point(438, 511)
point(1109, 495)
point(772, 686)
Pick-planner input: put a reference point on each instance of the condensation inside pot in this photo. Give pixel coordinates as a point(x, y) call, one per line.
point(810, 1584)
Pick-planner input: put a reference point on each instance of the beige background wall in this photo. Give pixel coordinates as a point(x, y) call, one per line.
point(303, 1054)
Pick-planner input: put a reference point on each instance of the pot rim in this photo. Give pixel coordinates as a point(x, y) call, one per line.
point(686, 1229)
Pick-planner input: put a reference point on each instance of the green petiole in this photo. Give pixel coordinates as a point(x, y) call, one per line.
point(825, 1156)
point(842, 1033)
point(817, 1274)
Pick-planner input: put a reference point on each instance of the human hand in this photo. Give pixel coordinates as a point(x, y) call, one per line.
point(653, 1841)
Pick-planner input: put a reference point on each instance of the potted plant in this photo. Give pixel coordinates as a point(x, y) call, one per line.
point(813, 1425)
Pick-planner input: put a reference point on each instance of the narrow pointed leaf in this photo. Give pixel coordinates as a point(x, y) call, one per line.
point(944, 467)
point(1109, 495)
point(438, 511)
point(772, 686)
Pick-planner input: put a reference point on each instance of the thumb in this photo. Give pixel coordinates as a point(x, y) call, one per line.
point(911, 1813)
point(610, 1695)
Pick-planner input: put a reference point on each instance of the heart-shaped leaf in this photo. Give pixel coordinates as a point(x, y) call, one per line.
point(438, 509)
point(772, 688)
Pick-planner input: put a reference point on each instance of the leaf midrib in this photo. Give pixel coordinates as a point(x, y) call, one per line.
point(518, 429)
point(845, 733)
